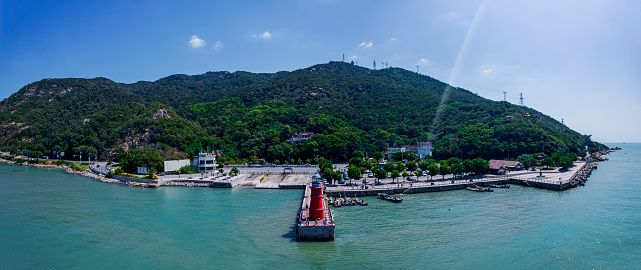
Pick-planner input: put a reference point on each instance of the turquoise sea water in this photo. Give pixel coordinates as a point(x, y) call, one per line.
point(49, 219)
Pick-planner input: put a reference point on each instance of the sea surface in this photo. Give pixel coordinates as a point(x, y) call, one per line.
point(53, 220)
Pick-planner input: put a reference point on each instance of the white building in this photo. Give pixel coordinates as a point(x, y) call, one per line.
point(205, 162)
point(424, 150)
point(174, 165)
point(143, 170)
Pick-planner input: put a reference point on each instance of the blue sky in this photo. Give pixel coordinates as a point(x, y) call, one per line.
point(574, 60)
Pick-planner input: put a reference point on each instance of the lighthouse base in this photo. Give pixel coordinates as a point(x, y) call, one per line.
point(315, 232)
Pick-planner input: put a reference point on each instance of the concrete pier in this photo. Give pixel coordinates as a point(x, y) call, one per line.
point(554, 180)
point(320, 230)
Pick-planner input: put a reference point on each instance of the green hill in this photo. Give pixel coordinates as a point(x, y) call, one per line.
point(244, 115)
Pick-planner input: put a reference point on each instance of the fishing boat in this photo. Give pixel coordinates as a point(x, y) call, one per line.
point(387, 197)
point(360, 202)
point(479, 189)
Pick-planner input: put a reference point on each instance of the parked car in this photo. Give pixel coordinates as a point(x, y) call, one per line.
point(411, 178)
point(371, 175)
point(365, 181)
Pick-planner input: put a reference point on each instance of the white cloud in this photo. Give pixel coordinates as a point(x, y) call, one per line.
point(263, 35)
point(422, 62)
point(218, 45)
point(196, 42)
point(353, 57)
point(487, 69)
point(366, 44)
point(393, 39)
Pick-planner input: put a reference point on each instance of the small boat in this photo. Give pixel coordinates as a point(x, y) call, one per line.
point(360, 202)
point(480, 189)
point(337, 203)
point(500, 186)
point(387, 197)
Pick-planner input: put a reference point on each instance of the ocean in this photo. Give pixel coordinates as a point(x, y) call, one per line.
point(49, 219)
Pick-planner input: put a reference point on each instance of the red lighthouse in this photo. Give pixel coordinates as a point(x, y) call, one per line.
point(316, 206)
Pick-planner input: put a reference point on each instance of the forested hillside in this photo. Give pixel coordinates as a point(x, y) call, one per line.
point(250, 116)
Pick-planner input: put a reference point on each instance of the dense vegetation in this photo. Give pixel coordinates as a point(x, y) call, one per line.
point(247, 117)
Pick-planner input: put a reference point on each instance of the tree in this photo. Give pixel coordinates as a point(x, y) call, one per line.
point(411, 166)
point(325, 164)
point(423, 165)
point(444, 169)
point(377, 155)
point(419, 173)
point(328, 174)
point(234, 171)
point(221, 171)
point(527, 160)
point(389, 167)
point(400, 166)
point(379, 173)
point(354, 172)
point(395, 174)
point(456, 168)
point(432, 170)
point(405, 174)
point(337, 175)
point(479, 165)
point(400, 156)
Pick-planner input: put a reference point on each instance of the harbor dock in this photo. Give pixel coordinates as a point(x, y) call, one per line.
point(548, 180)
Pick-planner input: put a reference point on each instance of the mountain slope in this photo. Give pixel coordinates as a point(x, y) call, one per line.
point(243, 114)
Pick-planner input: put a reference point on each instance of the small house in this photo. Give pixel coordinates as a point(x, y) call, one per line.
point(501, 166)
point(143, 170)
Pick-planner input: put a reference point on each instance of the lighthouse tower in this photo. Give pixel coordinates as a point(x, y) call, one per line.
point(316, 206)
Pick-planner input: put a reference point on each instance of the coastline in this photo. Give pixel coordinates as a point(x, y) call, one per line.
point(67, 169)
point(135, 182)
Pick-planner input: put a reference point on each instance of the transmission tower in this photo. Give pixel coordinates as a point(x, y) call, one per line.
point(374, 64)
point(521, 99)
point(343, 57)
point(417, 69)
point(504, 96)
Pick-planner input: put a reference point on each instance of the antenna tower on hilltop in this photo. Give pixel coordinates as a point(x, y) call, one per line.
point(343, 57)
point(374, 64)
point(504, 96)
point(521, 102)
point(417, 69)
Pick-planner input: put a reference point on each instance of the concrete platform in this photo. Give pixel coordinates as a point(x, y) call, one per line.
point(229, 181)
point(272, 181)
point(296, 181)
